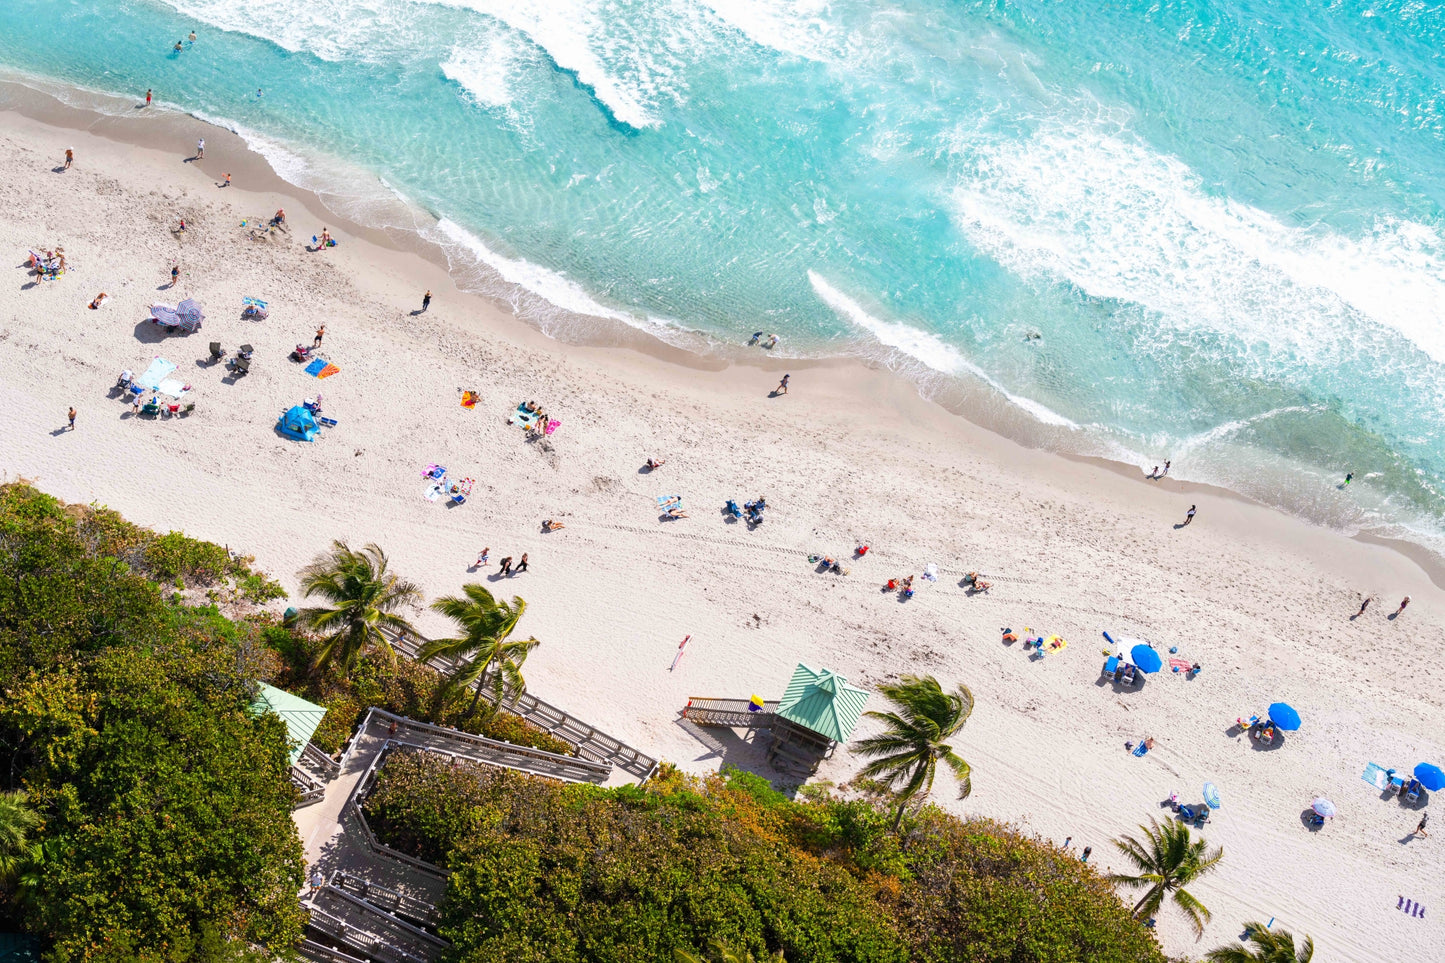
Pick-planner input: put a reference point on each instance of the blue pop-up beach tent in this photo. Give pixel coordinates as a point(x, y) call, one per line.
point(300, 424)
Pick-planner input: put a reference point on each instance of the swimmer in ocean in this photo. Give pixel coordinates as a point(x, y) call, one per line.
point(178, 46)
point(193, 36)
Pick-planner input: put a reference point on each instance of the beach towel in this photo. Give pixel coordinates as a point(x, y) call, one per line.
point(665, 500)
point(432, 492)
point(930, 571)
point(254, 303)
point(434, 471)
point(1375, 775)
point(470, 399)
point(525, 417)
point(1181, 665)
point(174, 387)
point(314, 368)
point(551, 426)
point(159, 370)
point(1055, 644)
point(1140, 749)
point(328, 371)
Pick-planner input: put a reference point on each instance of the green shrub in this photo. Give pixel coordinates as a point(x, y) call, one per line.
point(167, 827)
point(545, 871)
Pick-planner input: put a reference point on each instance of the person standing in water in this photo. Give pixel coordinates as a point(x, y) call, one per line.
point(1349, 477)
point(148, 96)
point(193, 36)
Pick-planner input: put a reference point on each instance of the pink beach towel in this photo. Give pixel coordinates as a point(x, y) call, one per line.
point(551, 426)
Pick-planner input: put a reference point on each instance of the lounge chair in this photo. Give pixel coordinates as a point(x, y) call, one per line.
point(1412, 790)
point(152, 407)
point(246, 351)
point(732, 509)
point(1396, 786)
point(1111, 665)
point(240, 366)
point(217, 352)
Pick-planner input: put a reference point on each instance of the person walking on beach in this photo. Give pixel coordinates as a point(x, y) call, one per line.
point(426, 301)
point(320, 333)
point(200, 148)
point(1165, 471)
point(482, 558)
point(1189, 515)
point(71, 415)
point(1403, 603)
point(175, 274)
point(226, 180)
point(69, 157)
point(148, 96)
point(782, 387)
point(522, 565)
point(1088, 851)
point(1420, 828)
point(1154, 472)
point(1363, 605)
point(317, 881)
point(507, 565)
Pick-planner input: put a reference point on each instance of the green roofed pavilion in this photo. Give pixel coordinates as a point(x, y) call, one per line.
point(823, 702)
point(301, 717)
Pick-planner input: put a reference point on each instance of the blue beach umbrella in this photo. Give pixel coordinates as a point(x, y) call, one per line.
point(1211, 795)
point(1324, 807)
point(1284, 716)
point(1146, 658)
point(1430, 776)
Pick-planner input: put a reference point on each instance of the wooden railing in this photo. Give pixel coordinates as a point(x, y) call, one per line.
point(732, 713)
point(589, 741)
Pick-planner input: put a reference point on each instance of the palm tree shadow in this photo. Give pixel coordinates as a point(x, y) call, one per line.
point(747, 752)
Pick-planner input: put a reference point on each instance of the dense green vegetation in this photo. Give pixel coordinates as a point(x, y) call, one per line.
point(544, 871)
point(163, 828)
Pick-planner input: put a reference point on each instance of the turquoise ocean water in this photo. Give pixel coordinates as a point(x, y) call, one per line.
point(1223, 220)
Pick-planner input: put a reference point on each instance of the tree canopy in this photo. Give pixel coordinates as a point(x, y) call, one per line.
point(164, 829)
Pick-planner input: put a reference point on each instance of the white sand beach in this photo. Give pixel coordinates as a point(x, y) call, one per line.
point(850, 455)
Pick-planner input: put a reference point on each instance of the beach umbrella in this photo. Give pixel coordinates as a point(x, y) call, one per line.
point(1211, 795)
point(1284, 716)
point(1146, 658)
point(1430, 776)
point(1324, 807)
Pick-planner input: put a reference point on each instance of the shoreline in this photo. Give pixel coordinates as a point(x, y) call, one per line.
point(854, 454)
point(960, 399)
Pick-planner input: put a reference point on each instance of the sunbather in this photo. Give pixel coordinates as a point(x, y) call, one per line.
point(654, 463)
point(979, 585)
point(551, 526)
point(676, 512)
point(99, 300)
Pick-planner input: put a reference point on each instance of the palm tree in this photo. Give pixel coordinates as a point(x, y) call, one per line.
point(1272, 947)
point(722, 953)
point(913, 744)
point(364, 597)
point(1168, 859)
point(17, 821)
point(482, 647)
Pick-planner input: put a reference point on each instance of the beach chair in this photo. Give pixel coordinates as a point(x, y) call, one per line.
point(245, 351)
point(217, 352)
point(1412, 790)
point(1111, 666)
point(1396, 786)
point(152, 407)
point(240, 366)
point(1141, 749)
point(732, 509)
point(328, 422)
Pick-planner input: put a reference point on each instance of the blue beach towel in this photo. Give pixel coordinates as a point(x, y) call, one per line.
point(1140, 749)
point(314, 368)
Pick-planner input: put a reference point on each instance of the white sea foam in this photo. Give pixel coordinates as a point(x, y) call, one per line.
point(484, 69)
point(924, 347)
point(797, 27)
point(1120, 221)
point(335, 30)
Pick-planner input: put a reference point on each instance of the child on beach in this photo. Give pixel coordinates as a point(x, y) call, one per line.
point(782, 387)
point(482, 558)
